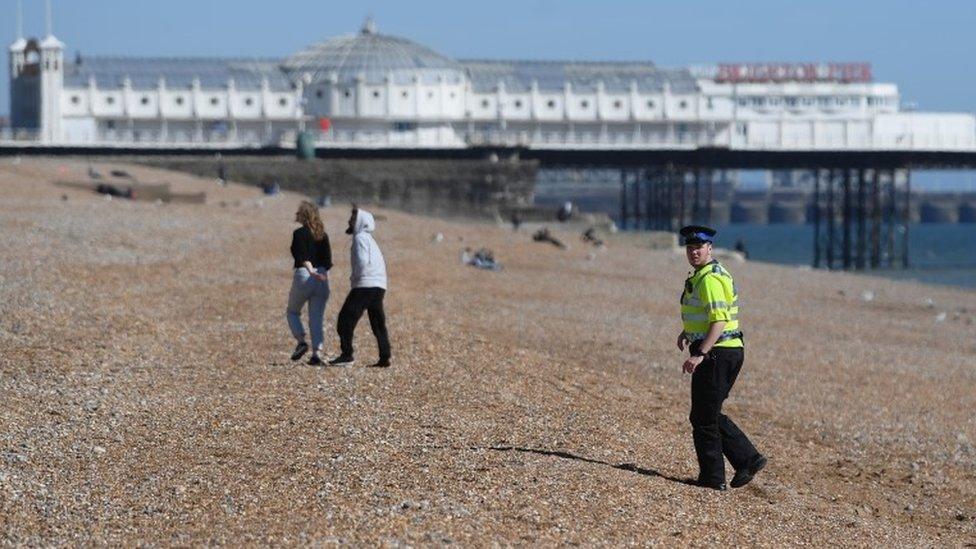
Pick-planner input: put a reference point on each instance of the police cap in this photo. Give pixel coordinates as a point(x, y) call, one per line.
point(697, 234)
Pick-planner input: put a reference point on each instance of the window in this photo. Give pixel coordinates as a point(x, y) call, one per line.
point(650, 103)
point(404, 126)
point(179, 100)
point(584, 103)
point(346, 93)
point(453, 95)
point(404, 94)
point(518, 103)
point(430, 95)
point(214, 101)
point(319, 94)
point(743, 101)
point(283, 102)
point(775, 101)
point(790, 101)
point(376, 95)
point(551, 104)
point(75, 99)
point(144, 100)
point(709, 104)
point(807, 101)
point(249, 101)
point(110, 124)
point(683, 104)
point(823, 101)
point(110, 100)
point(758, 101)
point(618, 104)
point(484, 103)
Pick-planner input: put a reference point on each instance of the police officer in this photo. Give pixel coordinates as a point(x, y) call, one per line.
point(710, 318)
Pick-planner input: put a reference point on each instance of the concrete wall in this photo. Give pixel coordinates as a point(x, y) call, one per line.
point(449, 188)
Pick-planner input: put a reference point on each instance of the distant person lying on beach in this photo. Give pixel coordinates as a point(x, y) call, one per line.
point(368, 283)
point(482, 259)
point(543, 235)
point(589, 235)
point(112, 190)
point(310, 282)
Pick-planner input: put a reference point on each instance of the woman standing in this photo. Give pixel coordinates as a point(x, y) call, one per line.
point(310, 282)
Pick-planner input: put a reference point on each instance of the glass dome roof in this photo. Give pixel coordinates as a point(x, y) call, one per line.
point(372, 57)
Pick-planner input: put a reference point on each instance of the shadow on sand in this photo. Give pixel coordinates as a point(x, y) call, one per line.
point(566, 455)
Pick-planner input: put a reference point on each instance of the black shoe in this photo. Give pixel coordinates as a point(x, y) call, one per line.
point(381, 363)
point(341, 360)
point(742, 477)
point(300, 350)
point(315, 361)
point(719, 486)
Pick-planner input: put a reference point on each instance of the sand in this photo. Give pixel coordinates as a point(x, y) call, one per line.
point(146, 395)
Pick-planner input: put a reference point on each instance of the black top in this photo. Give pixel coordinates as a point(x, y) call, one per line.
point(305, 248)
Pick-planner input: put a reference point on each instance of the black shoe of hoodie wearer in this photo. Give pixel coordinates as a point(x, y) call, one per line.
point(743, 477)
point(381, 363)
point(315, 361)
point(341, 361)
point(299, 351)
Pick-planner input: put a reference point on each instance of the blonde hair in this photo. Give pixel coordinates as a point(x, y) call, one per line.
point(308, 215)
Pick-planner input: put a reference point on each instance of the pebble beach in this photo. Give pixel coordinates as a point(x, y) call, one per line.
point(147, 396)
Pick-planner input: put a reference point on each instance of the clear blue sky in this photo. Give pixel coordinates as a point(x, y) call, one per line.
point(927, 48)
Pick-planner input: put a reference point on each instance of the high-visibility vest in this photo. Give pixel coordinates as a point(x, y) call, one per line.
point(710, 296)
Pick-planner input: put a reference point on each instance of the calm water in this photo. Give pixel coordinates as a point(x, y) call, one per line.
point(938, 253)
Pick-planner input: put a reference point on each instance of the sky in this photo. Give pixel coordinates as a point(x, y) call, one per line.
point(924, 47)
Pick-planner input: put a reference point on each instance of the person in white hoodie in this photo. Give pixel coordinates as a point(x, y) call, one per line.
point(368, 286)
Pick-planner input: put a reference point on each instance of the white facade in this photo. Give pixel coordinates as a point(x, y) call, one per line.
point(373, 90)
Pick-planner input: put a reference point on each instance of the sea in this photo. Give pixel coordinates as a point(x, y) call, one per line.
point(943, 254)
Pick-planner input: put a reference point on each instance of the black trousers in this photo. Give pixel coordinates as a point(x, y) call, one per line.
point(359, 300)
point(714, 433)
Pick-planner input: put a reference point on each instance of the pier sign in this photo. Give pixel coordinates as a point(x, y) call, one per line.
point(793, 72)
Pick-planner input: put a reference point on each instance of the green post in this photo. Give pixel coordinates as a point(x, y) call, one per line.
point(305, 147)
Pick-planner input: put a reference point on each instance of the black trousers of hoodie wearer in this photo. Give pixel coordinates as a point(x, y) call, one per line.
point(714, 433)
point(359, 300)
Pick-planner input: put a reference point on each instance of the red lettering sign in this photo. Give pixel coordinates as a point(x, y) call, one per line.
point(793, 72)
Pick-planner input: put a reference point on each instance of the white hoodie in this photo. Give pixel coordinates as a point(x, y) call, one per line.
point(368, 266)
